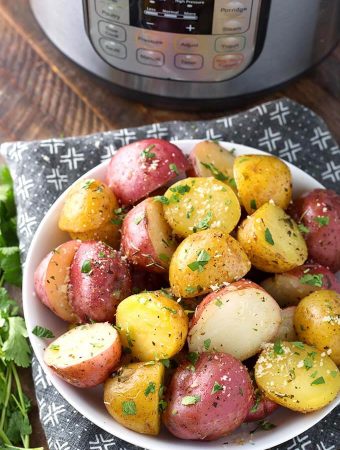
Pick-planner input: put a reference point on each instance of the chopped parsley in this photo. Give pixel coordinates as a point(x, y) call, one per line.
point(173, 311)
point(202, 260)
point(120, 214)
point(204, 223)
point(174, 168)
point(278, 349)
point(298, 344)
point(88, 183)
point(308, 363)
point(162, 199)
point(54, 347)
point(180, 189)
point(207, 343)
point(322, 220)
point(146, 153)
point(333, 373)
point(215, 172)
point(268, 236)
point(191, 289)
point(166, 362)
point(319, 380)
point(314, 279)
point(193, 357)
point(253, 204)
point(265, 426)
point(162, 404)
point(151, 388)
point(190, 400)
point(302, 228)
point(218, 302)
point(129, 408)
point(216, 388)
point(42, 332)
point(86, 266)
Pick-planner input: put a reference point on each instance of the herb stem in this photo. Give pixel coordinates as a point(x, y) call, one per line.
point(7, 397)
point(5, 438)
point(25, 438)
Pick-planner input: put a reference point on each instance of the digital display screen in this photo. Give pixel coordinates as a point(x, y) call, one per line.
point(174, 16)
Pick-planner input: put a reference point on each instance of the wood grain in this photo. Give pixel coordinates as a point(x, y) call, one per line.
point(43, 94)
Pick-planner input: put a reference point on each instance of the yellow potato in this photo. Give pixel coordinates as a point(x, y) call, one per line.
point(297, 376)
point(89, 212)
point(261, 178)
point(151, 325)
point(204, 260)
point(196, 204)
point(272, 240)
point(132, 396)
point(317, 322)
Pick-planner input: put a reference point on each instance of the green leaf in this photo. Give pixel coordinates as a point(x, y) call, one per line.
point(190, 289)
point(180, 189)
point(268, 236)
point(146, 153)
point(173, 311)
point(315, 279)
point(302, 228)
point(88, 183)
point(298, 344)
point(174, 168)
point(42, 332)
point(10, 264)
point(334, 373)
point(163, 257)
point(16, 347)
point(203, 258)
point(319, 380)
point(166, 362)
point(193, 357)
point(218, 302)
point(161, 199)
point(162, 404)
point(207, 343)
point(322, 220)
point(86, 266)
point(265, 426)
point(308, 363)
point(216, 173)
point(253, 204)
point(129, 408)
point(190, 400)
point(216, 388)
point(151, 388)
point(278, 349)
point(203, 224)
point(18, 425)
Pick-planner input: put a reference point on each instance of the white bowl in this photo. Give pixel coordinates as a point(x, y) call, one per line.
point(89, 402)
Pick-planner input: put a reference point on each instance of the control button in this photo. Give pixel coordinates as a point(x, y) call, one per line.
point(150, 40)
point(233, 9)
point(188, 44)
point(113, 48)
point(113, 31)
point(228, 62)
point(230, 44)
point(115, 10)
point(192, 62)
point(150, 57)
point(234, 26)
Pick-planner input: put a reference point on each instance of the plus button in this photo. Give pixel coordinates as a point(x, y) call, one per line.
point(190, 28)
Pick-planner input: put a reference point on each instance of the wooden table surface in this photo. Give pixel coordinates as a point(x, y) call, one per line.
point(43, 94)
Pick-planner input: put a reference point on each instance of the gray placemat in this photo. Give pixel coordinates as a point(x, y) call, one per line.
point(42, 170)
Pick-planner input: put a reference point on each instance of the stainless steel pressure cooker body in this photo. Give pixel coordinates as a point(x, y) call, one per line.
point(192, 52)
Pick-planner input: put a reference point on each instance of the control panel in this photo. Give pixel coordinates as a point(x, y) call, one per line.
point(188, 40)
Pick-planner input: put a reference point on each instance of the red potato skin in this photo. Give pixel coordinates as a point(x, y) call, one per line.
point(264, 408)
point(95, 295)
point(133, 177)
point(216, 414)
point(94, 371)
point(237, 285)
point(39, 280)
point(323, 242)
point(329, 280)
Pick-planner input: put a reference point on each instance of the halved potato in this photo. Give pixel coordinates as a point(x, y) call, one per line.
point(89, 212)
point(261, 178)
point(205, 260)
point(297, 376)
point(147, 239)
point(286, 331)
point(151, 326)
point(209, 158)
point(272, 240)
point(132, 396)
point(196, 204)
point(85, 355)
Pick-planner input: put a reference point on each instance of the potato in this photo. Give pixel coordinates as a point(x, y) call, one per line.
point(297, 376)
point(261, 408)
point(147, 239)
point(286, 331)
point(51, 280)
point(140, 168)
point(88, 212)
point(261, 178)
point(99, 280)
point(132, 396)
point(318, 212)
point(272, 240)
point(209, 158)
point(151, 325)
point(317, 322)
point(210, 401)
point(146, 281)
point(195, 204)
point(289, 288)
point(85, 355)
point(238, 319)
point(205, 260)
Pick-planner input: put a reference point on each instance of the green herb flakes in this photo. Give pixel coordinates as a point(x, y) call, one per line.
point(86, 266)
point(42, 332)
point(161, 199)
point(174, 168)
point(322, 220)
point(253, 204)
point(268, 236)
point(314, 279)
point(319, 380)
point(278, 349)
point(216, 388)
point(193, 357)
point(129, 408)
point(147, 154)
point(203, 224)
point(151, 388)
point(302, 228)
point(190, 400)
point(206, 344)
point(202, 260)
point(299, 344)
point(216, 173)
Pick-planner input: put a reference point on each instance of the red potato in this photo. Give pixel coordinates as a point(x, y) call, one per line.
point(99, 280)
point(86, 355)
point(286, 331)
point(209, 402)
point(140, 168)
point(147, 239)
point(261, 408)
point(289, 288)
point(319, 212)
point(51, 280)
point(237, 319)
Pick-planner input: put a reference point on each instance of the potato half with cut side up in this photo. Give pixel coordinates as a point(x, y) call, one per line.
point(272, 240)
point(210, 159)
point(147, 239)
point(297, 376)
point(151, 326)
point(261, 178)
point(89, 212)
point(132, 396)
point(51, 280)
point(204, 260)
point(238, 319)
point(196, 204)
point(85, 355)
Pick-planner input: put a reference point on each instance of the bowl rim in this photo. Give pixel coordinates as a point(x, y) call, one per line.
point(149, 442)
